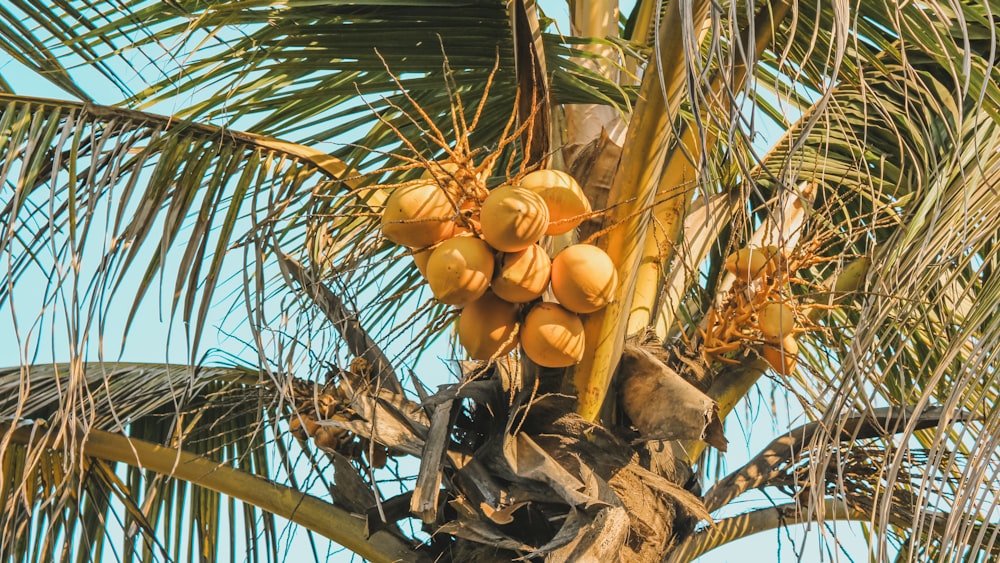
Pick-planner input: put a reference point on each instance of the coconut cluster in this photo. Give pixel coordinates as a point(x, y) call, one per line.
point(480, 250)
point(763, 269)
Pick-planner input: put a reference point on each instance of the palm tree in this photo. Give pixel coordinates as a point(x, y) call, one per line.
point(243, 167)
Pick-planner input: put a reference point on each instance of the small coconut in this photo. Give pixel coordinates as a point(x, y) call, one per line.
point(750, 263)
point(783, 364)
point(775, 259)
point(486, 327)
point(523, 275)
point(567, 203)
point(459, 270)
point(584, 278)
point(332, 438)
point(552, 336)
point(418, 215)
point(302, 426)
point(776, 320)
point(513, 218)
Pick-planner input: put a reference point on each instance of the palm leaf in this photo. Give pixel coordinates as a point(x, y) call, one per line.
point(903, 153)
point(62, 474)
point(65, 163)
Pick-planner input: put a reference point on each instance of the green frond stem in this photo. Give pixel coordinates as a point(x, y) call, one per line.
point(643, 28)
point(731, 529)
point(303, 509)
point(703, 223)
point(728, 389)
point(534, 103)
point(634, 186)
point(599, 19)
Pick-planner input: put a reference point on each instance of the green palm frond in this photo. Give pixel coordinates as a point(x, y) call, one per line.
point(899, 148)
point(252, 67)
point(169, 195)
point(204, 411)
point(64, 471)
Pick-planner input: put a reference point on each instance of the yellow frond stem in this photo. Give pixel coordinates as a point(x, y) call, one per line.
point(633, 191)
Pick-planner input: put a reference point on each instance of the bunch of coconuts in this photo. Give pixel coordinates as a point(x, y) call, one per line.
point(775, 320)
point(479, 249)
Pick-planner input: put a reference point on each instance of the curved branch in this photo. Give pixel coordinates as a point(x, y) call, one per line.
point(761, 520)
point(783, 449)
point(306, 510)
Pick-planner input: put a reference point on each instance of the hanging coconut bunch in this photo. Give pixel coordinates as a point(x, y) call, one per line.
point(758, 310)
point(480, 249)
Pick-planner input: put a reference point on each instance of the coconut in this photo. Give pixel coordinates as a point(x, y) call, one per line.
point(566, 201)
point(783, 364)
point(776, 320)
point(552, 336)
point(523, 275)
point(775, 259)
point(750, 263)
point(420, 260)
point(459, 270)
point(418, 215)
point(486, 327)
point(583, 278)
point(302, 426)
point(513, 218)
point(332, 438)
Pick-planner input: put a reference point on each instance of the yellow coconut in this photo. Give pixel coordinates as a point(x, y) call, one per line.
point(750, 263)
point(523, 275)
point(563, 196)
point(421, 258)
point(513, 218)
point(459, 270)
point(583, 278)
point(775, 320)
point(418, 215)
point(486, 327)
point(783, 364)
point(552, 336)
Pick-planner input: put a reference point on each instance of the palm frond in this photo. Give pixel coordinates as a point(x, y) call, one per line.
point(93, 454)
point(169, 193)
